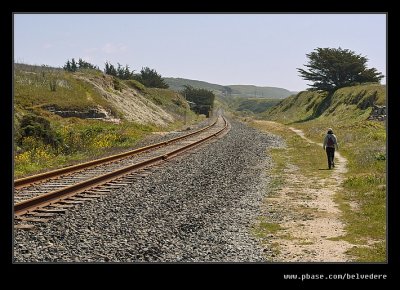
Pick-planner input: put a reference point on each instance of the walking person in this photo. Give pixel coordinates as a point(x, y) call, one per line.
point(330, 141)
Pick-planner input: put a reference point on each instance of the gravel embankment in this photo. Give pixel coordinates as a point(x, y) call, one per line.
point(199, 208)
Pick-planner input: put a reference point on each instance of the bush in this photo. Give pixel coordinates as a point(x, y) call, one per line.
point(117, 84)
point(151, 79)
point(38, 128)
point(202, 99)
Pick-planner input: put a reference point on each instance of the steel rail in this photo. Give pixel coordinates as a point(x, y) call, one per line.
point(22, 182)
point(35, 203)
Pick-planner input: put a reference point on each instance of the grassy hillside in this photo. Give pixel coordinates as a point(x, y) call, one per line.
point(177, 84)
point(259, 92)
point(63, 118)
point(247, 91)
point(36, 86)
point(348, 103)
point(363, 143)
point(249, 105)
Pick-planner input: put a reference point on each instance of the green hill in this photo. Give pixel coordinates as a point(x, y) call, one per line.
point(247, 105)
point(62, 117)
point(177, 84)
point(247, 91)
point(345, 103)
point(259, 92)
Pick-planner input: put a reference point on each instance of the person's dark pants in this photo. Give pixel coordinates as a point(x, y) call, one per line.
point(330, 153)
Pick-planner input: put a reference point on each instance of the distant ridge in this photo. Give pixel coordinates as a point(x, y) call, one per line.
point(247, 91)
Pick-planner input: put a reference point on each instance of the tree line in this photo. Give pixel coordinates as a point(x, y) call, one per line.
point(148, 77)
point(201, 101)
point(73, 66)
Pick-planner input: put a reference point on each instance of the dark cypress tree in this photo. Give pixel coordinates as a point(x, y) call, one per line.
point(127, 74)
point(202, 100)
point(107, 68)
point(67, 66)
point(150, 78)
point(110, 69)
point(74, 67)
point(330, 69)
point(81, 63)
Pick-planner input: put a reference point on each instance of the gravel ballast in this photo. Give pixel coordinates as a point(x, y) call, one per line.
point(197, 208)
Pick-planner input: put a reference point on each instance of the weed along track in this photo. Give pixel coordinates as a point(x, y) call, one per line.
point(39, 197)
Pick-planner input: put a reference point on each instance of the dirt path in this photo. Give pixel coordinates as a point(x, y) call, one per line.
point(309, 218)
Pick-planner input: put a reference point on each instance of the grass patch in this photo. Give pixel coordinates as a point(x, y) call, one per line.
point(135, 85)
point(275, 248)
point(368, 222)
point(279, 158)
point(368, 254)
point(279, 164)
point(288, 237)
point(276, 183)
point(262, 229)
point(309, 159)
point(306, 243)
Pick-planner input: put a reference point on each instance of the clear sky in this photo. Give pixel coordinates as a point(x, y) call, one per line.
point(226, 49)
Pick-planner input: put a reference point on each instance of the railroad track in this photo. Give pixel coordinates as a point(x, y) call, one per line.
point(39, 197)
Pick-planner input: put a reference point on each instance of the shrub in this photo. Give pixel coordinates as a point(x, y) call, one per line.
point(117, 84)
point(53, 85)
point(38, 128)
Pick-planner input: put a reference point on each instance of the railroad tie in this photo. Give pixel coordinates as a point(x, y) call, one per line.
point(24, 226)
point(88, 195)
point(97, 193)
point(83, 198)
point(29, 219)
point(45, 210)
point(99, 190)
point(40, 214)
point(69, 201)
point(63, 205)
